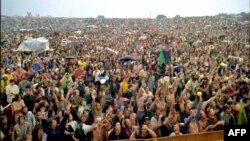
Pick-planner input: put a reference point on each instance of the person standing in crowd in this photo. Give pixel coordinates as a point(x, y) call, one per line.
point(21, 130)
point(17, 106)
point(176, 131)
point(166, 127)
point(227, 116)
point(5, 129)
point(117, 133)
point(143, 133)
point(54, 131)
point(11, 91)
point(167, 48)
point(28, 98)
point(29, 117)
point(100, 128)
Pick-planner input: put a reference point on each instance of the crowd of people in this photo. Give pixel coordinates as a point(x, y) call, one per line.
point(123, 78)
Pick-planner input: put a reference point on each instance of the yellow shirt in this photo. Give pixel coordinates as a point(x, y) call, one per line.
point(2, 86)
point(124, 85)
point(80, 63)
point(9, 77)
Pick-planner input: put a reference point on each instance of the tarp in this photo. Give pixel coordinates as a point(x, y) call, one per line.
point(38, 45)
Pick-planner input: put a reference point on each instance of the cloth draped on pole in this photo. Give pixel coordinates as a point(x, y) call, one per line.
point(66, 78)
point(242, 120)
point(161, 58)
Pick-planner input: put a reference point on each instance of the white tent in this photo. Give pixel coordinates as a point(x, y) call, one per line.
point(38, 45)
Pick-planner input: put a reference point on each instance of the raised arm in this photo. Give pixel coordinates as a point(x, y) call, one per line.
point(107, 124)
point(211, 72)
point(132, 136)
point(205, 103)
point(181, 99)
point(159, 87)
point(198, 109)
point(151, 132)
point(103, 101)
point(176, 83)
point(166, 88)
point(70, 92)
point(93, 102)
point(54, 96)
point(186, 64)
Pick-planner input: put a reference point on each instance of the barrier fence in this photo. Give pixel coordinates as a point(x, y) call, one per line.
point(206, 136)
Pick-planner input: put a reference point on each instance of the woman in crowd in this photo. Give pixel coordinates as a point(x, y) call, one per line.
point(117, 133)
point(176, 131)
point(5, 129)
point(17, 106)
point(143, 133)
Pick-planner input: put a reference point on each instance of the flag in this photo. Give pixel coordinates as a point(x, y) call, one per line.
point(124, 85)
point(242, 120)
point(161, 58)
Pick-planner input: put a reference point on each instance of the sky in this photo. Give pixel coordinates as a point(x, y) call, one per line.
point(123, 8)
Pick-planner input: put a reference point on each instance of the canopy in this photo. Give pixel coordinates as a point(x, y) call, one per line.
point(38, 45)
point(127, 58)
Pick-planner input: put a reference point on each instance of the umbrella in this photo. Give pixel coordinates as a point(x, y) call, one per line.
point(221, 37)
point(37, 67)
point(127, 58)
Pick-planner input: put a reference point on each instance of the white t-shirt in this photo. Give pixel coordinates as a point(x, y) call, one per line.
point(156, 122)
point(86, 128)
point(11, 89)
point(73, 124)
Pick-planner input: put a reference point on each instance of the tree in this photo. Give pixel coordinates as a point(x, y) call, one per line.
point(243, 14)
point(161, 16)
point(100, 17)
point(29, 14)
point(177, 16)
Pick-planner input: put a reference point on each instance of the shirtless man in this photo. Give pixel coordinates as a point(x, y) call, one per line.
point(163, 92)
point(97, 107)
point(141, 102)
point(159, 103)
point(100, 128)
point(170, 91)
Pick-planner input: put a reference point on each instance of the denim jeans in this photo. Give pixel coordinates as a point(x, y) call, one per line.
point(168, 57)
